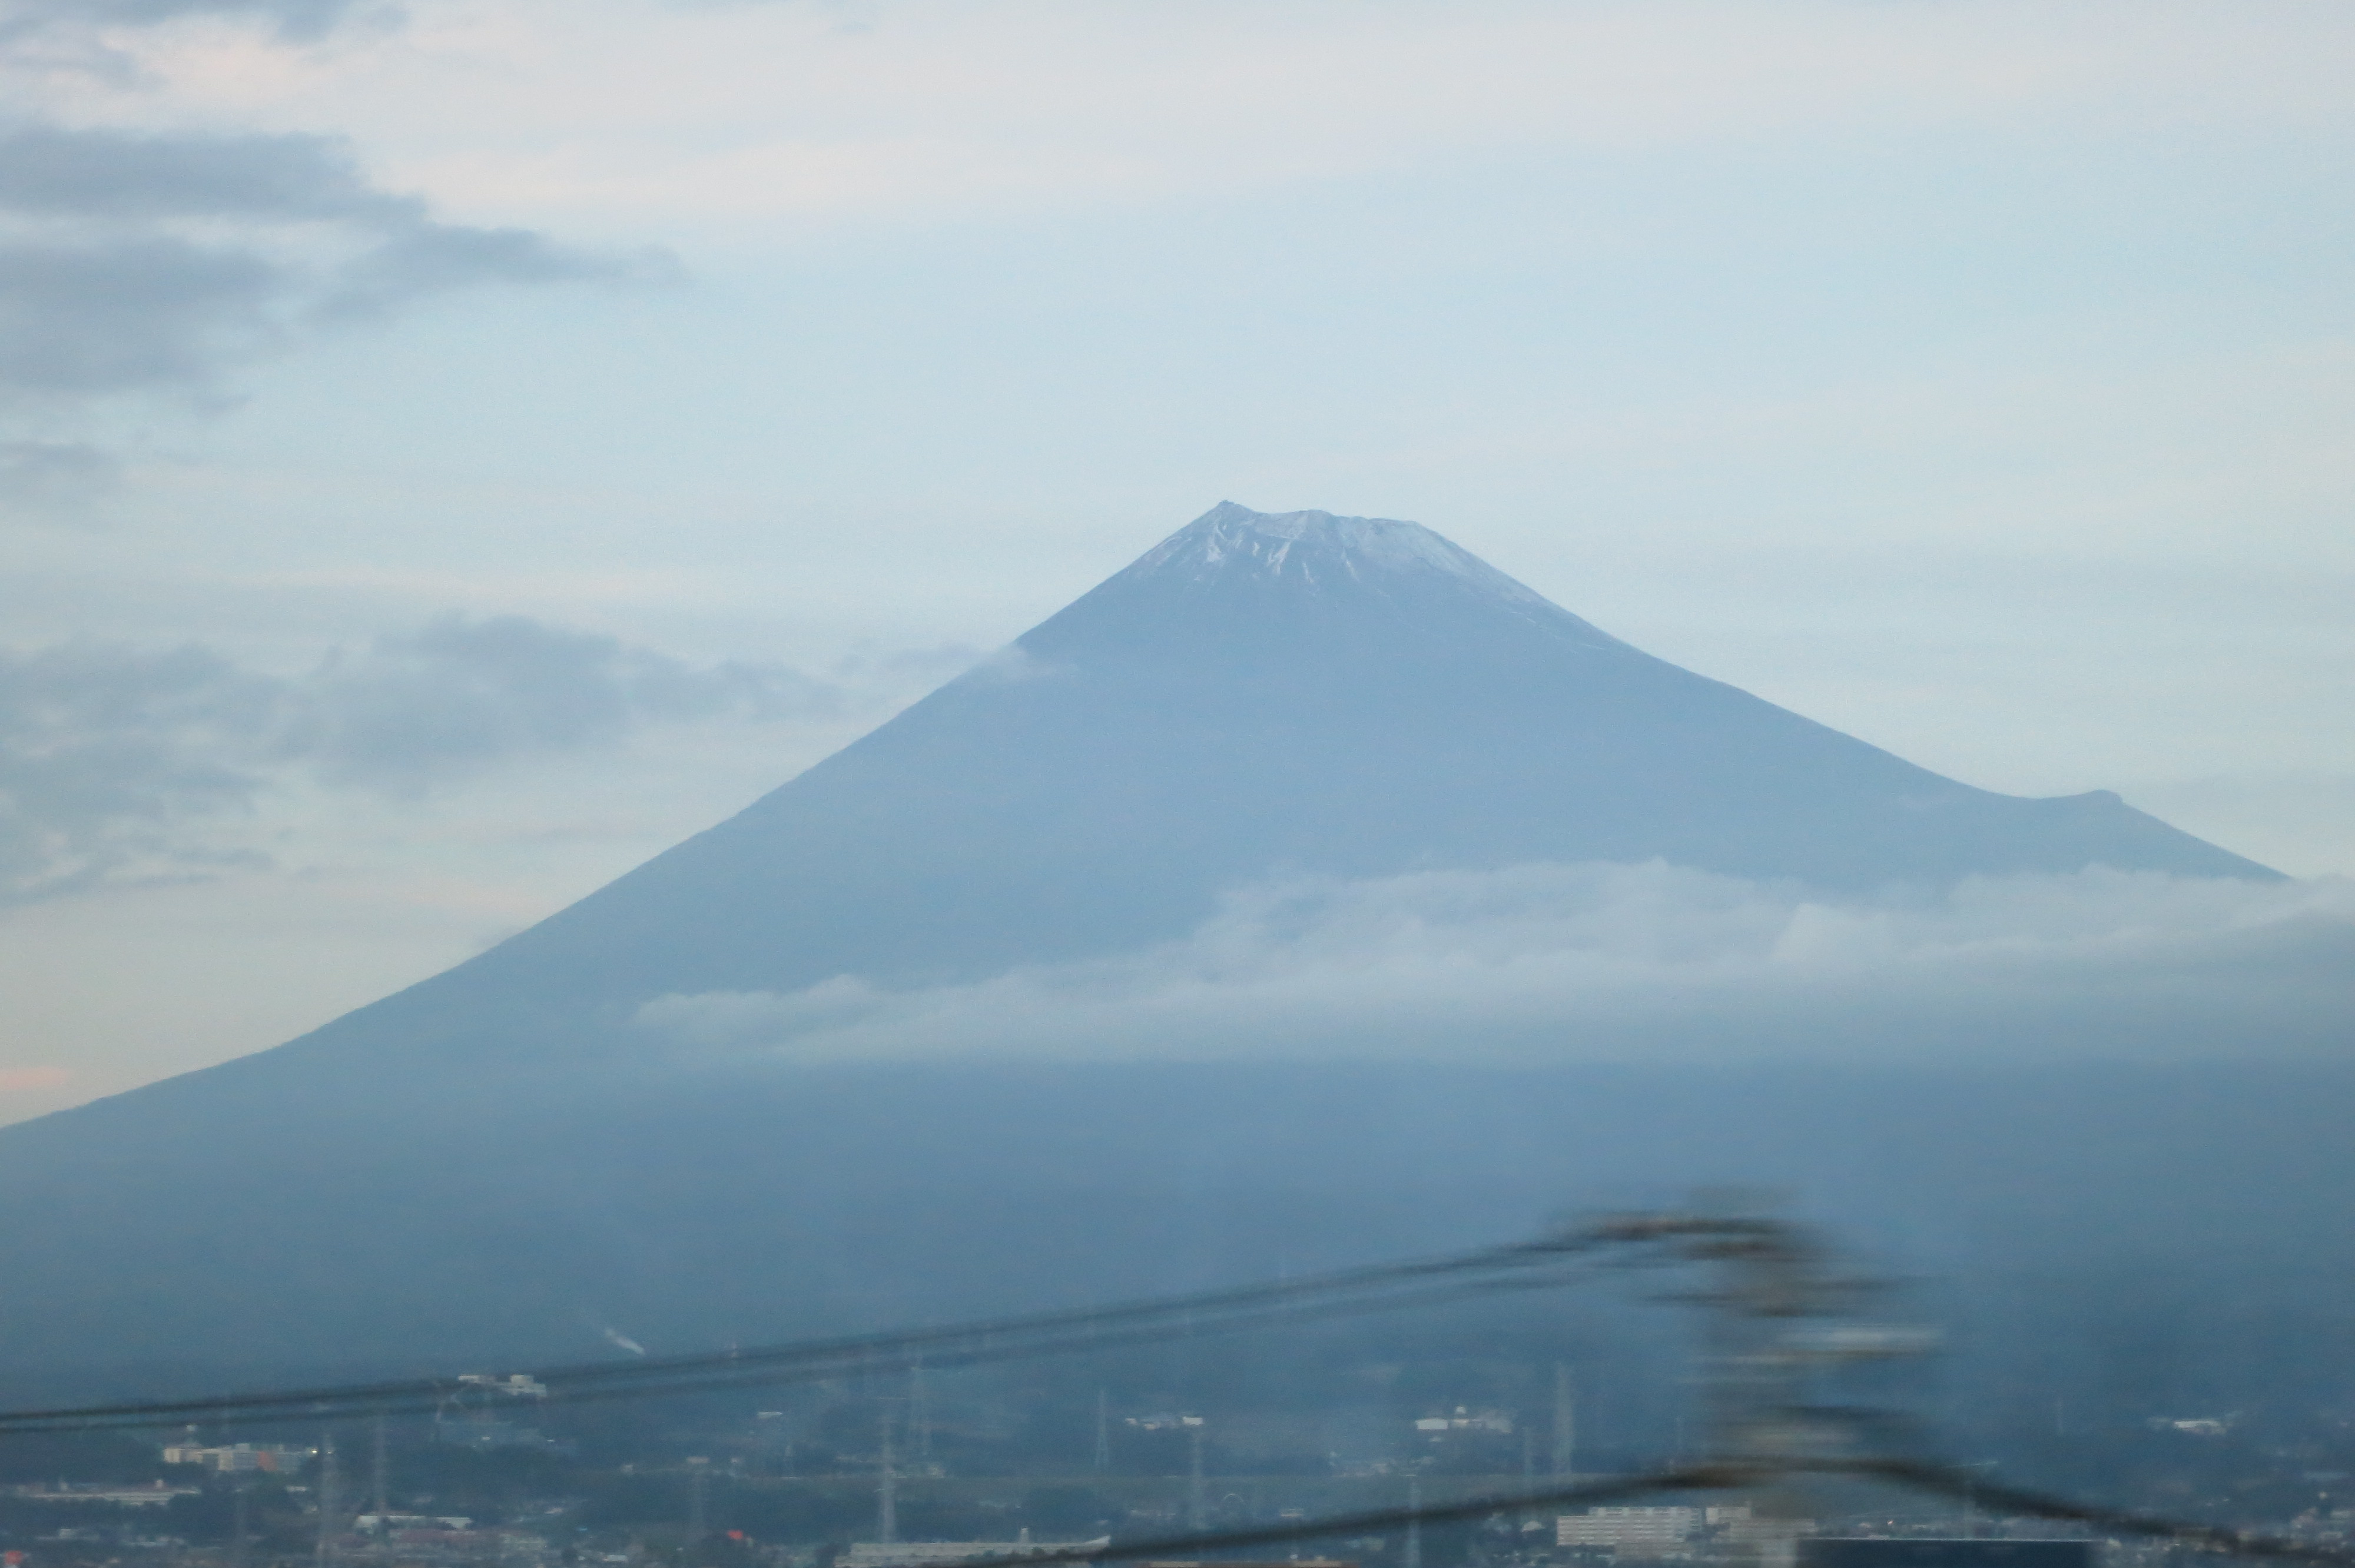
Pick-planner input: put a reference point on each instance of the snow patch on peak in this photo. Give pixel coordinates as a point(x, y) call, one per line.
point(1374, 560)
point(1312, 545)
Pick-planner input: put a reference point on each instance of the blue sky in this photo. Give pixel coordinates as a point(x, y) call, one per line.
point(1973, 377)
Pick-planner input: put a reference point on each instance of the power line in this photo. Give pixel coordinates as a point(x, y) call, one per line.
point(430, 1397)
point(1383, 1287)
point(1948, 1480)
point(1516, 1266)
point(237, 1411)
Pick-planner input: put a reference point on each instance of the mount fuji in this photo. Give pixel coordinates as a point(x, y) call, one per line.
point(489, 1161)
point(1327, 695)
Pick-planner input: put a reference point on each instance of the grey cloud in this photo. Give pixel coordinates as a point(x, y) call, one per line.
point(47, 170)
point(54, 479)
point(102, 292)
point(103, 318)
point(431, 259)
point(107, 755)
point(297, 19)
point(134, 263)
point(1650, 963)
point(461, 693)
point(120, 763)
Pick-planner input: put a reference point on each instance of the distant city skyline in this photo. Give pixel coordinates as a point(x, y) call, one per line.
point(453, 452)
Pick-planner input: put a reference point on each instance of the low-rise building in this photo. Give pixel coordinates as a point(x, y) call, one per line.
point(931, 1554)
point(1466, 1420)
point(154, 1494)
point(236, 1456)
point(1629, 1531)
point(1942, 1552)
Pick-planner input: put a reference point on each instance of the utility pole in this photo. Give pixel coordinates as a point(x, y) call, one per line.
point(329, 1502)
point(1971, 1473)
point(1197, 1515)
point(1413, 1520)
point(886, 1522)
point(1528, 1464)
point(1565, 1422)
point(919, 1410)
point(698, 1501)
point(1104, 1430)
point(383, 1501)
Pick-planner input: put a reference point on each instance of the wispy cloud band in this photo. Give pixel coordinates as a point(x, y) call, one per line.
point(114, 760)
point(1630, 962)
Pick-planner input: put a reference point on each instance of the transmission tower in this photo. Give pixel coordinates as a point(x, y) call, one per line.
point(1565, 1422)
point(1198, 1513)
point(887, 1499)
point(378, 1470)
point(1770, 1296)
point(698, 1501)
point(330, 1502)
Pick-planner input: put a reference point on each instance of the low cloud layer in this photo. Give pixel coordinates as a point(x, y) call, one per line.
point(1636, 962)
point(56, 479)
point(115, 762)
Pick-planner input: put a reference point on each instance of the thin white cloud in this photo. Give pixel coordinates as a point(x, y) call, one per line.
point(54, 480)
point(688, 114)
point(1631, 963)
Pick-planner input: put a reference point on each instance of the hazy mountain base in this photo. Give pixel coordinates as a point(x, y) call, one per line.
point(2132, 1239)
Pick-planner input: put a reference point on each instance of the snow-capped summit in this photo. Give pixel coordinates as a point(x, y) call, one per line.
point(1310, 574)
point(1316, 547)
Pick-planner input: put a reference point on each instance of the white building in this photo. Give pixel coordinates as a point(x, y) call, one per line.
point(931, 1554)
point(1466, 1419)
point(240, 1456)
point(155, 1494)
point(1633, 1529)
